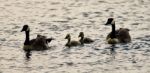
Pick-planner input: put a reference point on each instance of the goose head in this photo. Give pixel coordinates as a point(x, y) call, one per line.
point(110, 21)
point(81, 34)
point(68, 36)
point(25, 28)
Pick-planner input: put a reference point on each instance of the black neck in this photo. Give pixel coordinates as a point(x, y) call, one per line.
point(82, 40)
point(68, 40)
point(113, 31)
point(27, 38)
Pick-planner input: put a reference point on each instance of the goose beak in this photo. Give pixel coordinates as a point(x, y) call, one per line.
point(53, 38)
point(108, 23)
point(79, 36)
point(22, 30)
point(66, 37)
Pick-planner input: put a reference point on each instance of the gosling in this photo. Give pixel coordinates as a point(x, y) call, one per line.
point(71, 43)
point(84, 39)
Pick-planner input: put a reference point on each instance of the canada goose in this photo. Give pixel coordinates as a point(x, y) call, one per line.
point(117, 36)
point(84, 39)
point(71, 43)
point(39, 43)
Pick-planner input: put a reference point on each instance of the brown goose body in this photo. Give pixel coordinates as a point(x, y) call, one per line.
point(123, 35)
point(117, 36)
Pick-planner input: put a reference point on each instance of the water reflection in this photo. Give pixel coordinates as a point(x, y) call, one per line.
point(27, 67)
point(28, 54)
point(112, 51)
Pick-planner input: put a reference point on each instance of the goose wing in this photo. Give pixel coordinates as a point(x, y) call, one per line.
point(123, 35)
point(48, 40)
point(39, 43)
point(32, 41)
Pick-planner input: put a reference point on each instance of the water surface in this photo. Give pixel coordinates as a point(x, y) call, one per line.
point(56, 18)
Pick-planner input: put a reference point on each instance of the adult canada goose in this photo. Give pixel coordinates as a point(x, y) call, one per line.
point(39, 43)
point(117, 36)
point(84, 39)
point(71, 43)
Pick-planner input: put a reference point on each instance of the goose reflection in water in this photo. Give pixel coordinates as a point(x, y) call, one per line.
point(112, 51)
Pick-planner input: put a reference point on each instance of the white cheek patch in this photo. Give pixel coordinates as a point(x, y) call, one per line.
point(113, 22)
point(28, 29)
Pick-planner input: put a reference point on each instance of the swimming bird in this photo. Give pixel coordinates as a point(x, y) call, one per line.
point(71, 43)
point(117, 36)
point(84, 39)
point(39, 43)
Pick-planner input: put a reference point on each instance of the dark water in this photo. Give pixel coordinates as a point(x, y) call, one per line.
point(55, 18)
